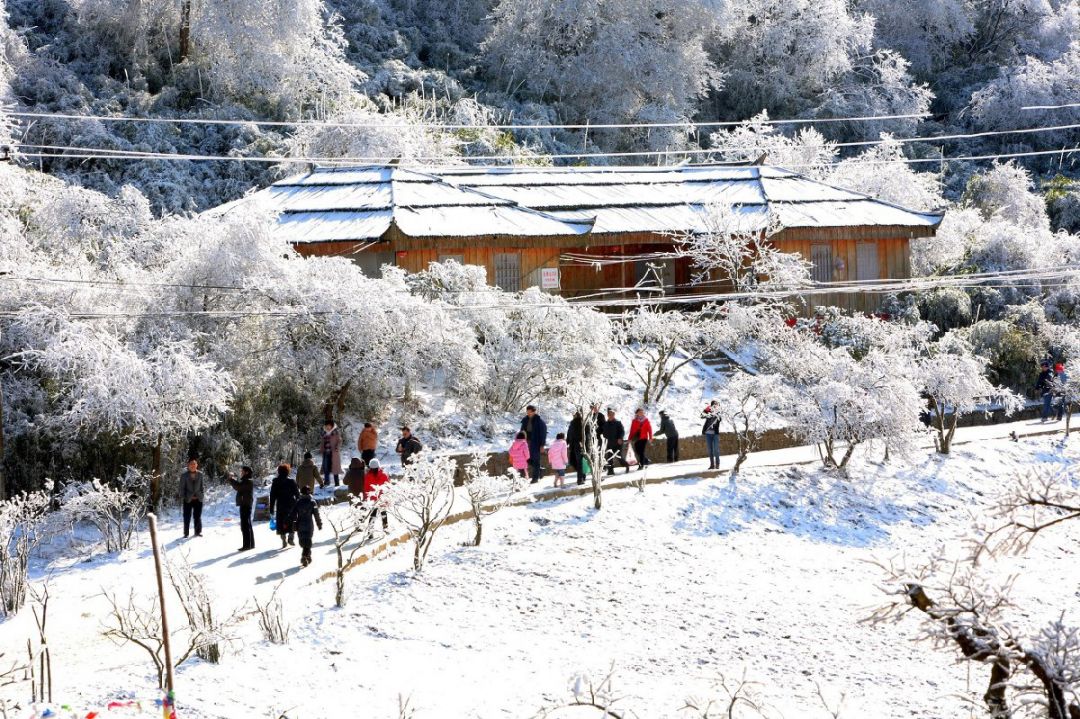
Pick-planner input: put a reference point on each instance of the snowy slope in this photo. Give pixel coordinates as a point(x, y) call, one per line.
point(675, 587)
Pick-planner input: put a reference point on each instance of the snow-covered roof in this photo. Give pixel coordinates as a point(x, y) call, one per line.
point(362, 203)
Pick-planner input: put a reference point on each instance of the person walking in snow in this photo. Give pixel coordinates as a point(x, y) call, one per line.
point(407, 446)
point(331, 453)
point(1044, 386)
point(640, 436)
point(671, 433)
point(575, 446)
point(305, 517)
point(519, 454)
point(308, 473)
point(614, 432)
point(711, 429)
point(245, 498)
point(354, 477)
point(1060, 378)
point(558, 457)
point(374, 480)
point(283, 496)
point(532, 424)
point(192, 489)
point(368, 442)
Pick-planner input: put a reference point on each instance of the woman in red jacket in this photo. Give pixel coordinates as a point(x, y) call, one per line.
point(374, 479)
point(640, 435)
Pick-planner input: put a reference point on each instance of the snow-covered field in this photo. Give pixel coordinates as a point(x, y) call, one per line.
point(669, 589)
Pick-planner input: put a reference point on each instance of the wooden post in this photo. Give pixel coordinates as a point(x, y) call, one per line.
point(152, 520)
point(185, 29)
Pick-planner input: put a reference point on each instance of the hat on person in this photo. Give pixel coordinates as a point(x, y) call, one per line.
point(1044, 363)
point(663, 412)
point(373, 464)
point(305, 489)
point(307, 455)
point(1059, 367)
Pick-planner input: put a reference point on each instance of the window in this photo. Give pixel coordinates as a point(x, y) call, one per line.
point(508, 271)
point(821, 260)
point(653, 273)
point(866, 253)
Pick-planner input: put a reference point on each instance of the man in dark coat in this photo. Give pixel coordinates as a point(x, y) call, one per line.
point(407, 446)
point(1044, 387)
point(283, 495)
point(305, 517)
point(245, 498)
point(192, 488)
point(575, 446)
point(614, 432)
point(532, 424)
point(669, 431)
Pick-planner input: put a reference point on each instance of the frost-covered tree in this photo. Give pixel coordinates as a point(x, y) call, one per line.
point(806, 151)
point(531, 345)
point(116, 510)
point(745, 408)
point(658, 343)
point(925, 33)
point(21, 521)
point(603, 61)
point(733, 247)
point(847, 387)
point(421, 499)
point(953, 379)
point(488, 493)
point(881, 172)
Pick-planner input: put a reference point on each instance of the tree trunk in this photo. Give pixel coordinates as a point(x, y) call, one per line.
point(479, 530)
point(3, 477)
point(155, 474)
point(185, 29)
point(744, 452)
point(847, 456)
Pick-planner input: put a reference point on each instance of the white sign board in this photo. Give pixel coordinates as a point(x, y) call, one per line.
point(549, 278)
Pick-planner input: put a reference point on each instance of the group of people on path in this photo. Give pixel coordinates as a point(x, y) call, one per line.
point(573, 447)
point(295, 512)
point(1050, 387)
point(292, 505)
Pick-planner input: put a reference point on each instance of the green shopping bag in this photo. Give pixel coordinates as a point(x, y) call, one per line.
point(586, 468)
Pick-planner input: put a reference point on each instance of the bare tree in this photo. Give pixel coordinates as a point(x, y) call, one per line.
point(21, 520)
point(41, 610)
point(488, 493)
point(962, 611)
point(594, 450)
point(137, 621)
point(1033, 502)
point(207, 630)
point(739, 694)
point(358, 520)
point(272, 618)
point(591, 694)
point(421, 499)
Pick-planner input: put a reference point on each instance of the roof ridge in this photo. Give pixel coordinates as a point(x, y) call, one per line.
point(863, 195)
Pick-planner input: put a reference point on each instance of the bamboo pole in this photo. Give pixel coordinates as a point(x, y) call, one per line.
point(152, 519)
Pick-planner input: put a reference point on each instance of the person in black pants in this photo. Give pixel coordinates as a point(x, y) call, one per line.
point(614, 433)
point(245, 498)
point(574, 445)
point(668, 430)
point(532, 424)
point(192, 486)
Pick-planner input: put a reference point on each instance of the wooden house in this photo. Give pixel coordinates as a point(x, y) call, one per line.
point(578, 230)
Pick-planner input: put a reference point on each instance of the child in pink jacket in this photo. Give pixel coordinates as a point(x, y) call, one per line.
point(519, 454)
point(558, 457)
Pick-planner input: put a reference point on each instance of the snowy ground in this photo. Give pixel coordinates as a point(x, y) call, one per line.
point(675, 587)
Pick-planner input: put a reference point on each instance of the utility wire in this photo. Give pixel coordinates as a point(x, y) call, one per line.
point(352, 162)
point(453, 126)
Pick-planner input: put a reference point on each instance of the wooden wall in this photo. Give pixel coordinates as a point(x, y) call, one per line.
point(536, 253)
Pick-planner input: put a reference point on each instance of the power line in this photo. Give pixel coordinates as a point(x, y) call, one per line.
point(1051, 107)
point(99, 154)
point(455, 126)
